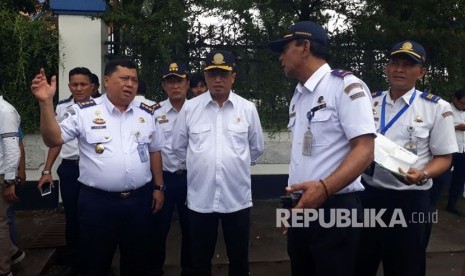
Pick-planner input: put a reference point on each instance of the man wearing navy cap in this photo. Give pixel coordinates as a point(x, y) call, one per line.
point(218, 136)
point(175, 83)
point(423, 124)
point(333, 134)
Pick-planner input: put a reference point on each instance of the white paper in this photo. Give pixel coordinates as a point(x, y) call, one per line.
point(392, 156)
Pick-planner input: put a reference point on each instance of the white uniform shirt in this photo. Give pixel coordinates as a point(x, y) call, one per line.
point(218, 146)
point(347, 115)
point(459, 118)
point(142, 99)
point(70, 149)
point(9, 141)
point(427, 124)
point(119, 167)
point(166, 117)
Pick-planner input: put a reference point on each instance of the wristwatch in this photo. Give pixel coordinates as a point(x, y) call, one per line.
point(160, 188)
point(10, 182)
point(425, 178)
point(46, 172)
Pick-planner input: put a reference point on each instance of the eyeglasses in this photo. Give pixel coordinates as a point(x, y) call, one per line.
point(217, 73)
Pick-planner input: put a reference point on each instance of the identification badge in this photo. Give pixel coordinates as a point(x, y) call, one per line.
point(142, 153)
point(307, 143)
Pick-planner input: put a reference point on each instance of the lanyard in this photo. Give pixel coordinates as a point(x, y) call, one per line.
point(385, 127)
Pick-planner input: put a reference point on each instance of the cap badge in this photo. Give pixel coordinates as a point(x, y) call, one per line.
point(173, 67)
point(407, 46)
point(218, 58)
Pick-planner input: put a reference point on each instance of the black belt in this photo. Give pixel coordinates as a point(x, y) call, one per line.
point(127, 194)
point(72, 161)
point(178, 172)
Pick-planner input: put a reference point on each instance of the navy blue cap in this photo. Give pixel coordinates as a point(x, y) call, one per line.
point(410, 48)
point(301, 30)
point(220, 59)
point(177, 69)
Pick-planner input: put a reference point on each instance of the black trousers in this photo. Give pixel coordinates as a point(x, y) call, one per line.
point(110, 219)
point(68, 171)
point(175, 197)
point(458, 179)
point(320, 251)
point(402, 250)
point(204, 231)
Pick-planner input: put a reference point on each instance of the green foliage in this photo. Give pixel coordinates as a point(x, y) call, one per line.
point(27, 46)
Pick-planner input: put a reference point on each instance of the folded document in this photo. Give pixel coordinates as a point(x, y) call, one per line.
point(391, 156)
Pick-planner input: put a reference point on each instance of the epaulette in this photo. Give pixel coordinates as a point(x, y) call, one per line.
point(340, 73)
point(430, 97)
point(65, 100)
point(376, 94)
point(86, 103)
point(149, 108)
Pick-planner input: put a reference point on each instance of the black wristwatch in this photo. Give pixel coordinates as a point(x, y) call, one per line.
point(8, 183)
point(425, 178)
point(160, 188)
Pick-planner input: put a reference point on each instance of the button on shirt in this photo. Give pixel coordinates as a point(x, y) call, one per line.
point(166, 117)
point(347, 115)
point(120, 166)
point(459, 118)
point(218, 146)
point(70, 149)
point(428, 125)
point(9, 142)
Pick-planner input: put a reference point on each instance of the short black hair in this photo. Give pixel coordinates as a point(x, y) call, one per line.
point(195, 79)
point(459, 94)
point(80, 71)
point(94, 79)
point(319, 50)
point(110, 68)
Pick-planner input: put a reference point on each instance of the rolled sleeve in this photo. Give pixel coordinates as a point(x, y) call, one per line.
point(158, 141)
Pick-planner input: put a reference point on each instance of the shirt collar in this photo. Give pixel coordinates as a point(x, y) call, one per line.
point(314, 79)
point(111, 107)
point(232, 98)
point(405, 97)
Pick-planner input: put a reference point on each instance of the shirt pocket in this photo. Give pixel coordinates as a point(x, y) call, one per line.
point(101, 143)
point(167, 130)
point(200, 135)
point(238, 134)
point(321, 126)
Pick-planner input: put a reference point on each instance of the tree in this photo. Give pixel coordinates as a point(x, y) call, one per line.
point(27, 46)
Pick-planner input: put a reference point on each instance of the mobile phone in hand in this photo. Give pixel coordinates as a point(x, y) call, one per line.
point(46, 189)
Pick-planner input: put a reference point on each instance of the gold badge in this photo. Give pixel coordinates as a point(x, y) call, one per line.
point(98, 121)
point(107, 137)
point(407, 46)
point(141, 119)
point(99, 148)
point(173, 67)
point(218, 58)
point(418, 119)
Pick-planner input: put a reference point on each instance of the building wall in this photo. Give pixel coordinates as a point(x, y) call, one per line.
point(82, 44)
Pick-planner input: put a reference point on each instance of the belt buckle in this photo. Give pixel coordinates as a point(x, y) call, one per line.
point(125, 194)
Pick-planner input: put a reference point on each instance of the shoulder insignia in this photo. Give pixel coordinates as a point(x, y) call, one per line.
point(430, 97)
point(447, 113)
point(86, 103)
point(149, 108)
point(376, 94)
point(340, 73)
point(352, 86)
point(65, 101)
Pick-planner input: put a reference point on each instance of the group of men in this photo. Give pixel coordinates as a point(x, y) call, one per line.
point(136, 162)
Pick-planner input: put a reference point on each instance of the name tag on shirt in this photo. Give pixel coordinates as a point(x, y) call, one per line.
point(142, 153)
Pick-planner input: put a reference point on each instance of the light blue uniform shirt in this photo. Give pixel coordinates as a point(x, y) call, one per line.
point(119, 167)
